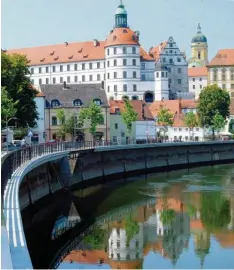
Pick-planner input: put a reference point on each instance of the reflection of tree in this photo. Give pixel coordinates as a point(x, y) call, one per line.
point(167, 216)
point(191, 210)
point(132, 228)
point(215, 211)
point(96, 238)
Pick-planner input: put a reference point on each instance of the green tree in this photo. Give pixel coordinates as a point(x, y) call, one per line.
point(132, 228)
point(218, 122)
point(191, 121)
point(8, 109)
point(92, 116)
point(165, 118)
point(68, 123)
point(95, 238)
point(128, 115)
point(15, 79)
point(212, 100)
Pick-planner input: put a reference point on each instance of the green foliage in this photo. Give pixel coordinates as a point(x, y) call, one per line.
point(68, 123)
point(190, 120)
point(128, 115)
point(17, 84)
point(96, 238)
point(165, 118)
point(218, 122)
point(91, 115)
point(20, 132)
point(215, 211)
point(212, 100)
point(231, 126)
point(132, 228)
point(8, 109)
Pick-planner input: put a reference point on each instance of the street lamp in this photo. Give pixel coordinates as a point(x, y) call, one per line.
point(7, 121)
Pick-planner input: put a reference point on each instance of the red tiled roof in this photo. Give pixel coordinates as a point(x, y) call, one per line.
point(72, 52)
point(172, 105)
point(224, 57)
point(188, 104)
point(155, 51)
point(121, 36)
point(197, 72)
point(137, 106)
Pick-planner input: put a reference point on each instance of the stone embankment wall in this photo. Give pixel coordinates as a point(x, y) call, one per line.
point(126, 160)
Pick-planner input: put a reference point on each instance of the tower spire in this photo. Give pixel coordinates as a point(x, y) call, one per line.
point(198, 28)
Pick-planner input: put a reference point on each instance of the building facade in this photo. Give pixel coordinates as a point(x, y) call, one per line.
point(221, 70)
point(197, 80)
point(120, 63)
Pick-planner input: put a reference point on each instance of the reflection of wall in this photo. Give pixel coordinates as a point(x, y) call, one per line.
point(120, 250)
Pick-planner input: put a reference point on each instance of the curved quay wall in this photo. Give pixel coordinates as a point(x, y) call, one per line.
point(102, 162)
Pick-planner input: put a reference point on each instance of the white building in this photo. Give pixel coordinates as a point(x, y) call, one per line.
point(197, 80)
point(123, 66)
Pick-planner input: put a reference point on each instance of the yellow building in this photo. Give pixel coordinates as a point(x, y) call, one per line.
point(221, 70)
point(199, 48)
point(72, 98)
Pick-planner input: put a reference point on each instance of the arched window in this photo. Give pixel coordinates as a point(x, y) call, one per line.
point(125, 97)
point(97, 101)
point(55, 103)
point(149, 97)
point(135, 98)
point(199, 55)
point(77, 102)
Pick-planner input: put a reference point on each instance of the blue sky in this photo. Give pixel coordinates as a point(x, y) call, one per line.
point(27, 23)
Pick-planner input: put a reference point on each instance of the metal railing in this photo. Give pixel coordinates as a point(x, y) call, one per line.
point(13, 160)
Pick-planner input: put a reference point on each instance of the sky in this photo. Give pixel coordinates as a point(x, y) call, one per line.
point(27, 23)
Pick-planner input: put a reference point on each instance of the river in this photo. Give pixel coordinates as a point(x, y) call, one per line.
point(179, 219)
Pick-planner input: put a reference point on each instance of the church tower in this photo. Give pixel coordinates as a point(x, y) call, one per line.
point(199, 48)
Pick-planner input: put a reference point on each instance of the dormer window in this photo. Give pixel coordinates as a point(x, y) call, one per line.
point(77, 102)
point(55, 103)
point(97, 101)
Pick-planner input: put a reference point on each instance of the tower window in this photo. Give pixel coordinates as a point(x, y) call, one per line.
point(108, 52)
point(164, 59)
point(143, 77)
point(200, 79)
point(171, 51)
point(193, 79)
point(143, 65)
point(179, 81)
point(199, 55)
point(193, 86)
point(171, 45)
point(179, 70)
point(171, 61)
point(200, 86)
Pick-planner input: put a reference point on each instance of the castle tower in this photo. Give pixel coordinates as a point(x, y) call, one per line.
point(199, 48)
point(122, 59)
point(161, 82)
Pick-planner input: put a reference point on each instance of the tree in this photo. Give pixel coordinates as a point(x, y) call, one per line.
point(212, 100)
point(93, 116)
point(16, 81)
point(218, 122)
point(190, 121)
point(129, 115)
point(68, 123)
point(8, 109)
point(165, 118)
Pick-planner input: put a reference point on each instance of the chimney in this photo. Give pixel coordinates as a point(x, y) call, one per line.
point(64, 84)
point(95, 42)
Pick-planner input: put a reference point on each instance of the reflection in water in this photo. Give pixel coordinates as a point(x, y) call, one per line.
point(181, 219)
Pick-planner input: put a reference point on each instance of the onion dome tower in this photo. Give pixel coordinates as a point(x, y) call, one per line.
point(122, 59)
point(199, 47)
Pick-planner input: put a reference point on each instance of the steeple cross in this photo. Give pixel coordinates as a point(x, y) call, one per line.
point(121, 2)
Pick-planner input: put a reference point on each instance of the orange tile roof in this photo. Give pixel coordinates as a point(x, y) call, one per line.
point(196, 225)
point(87, 256)
point(172, 105)
point(155, 51)
point(197, 72)
point(226, 239)
point(188, 104)
point(73, 52)
point(136, 264)
point(122, 36)
point(171, 203)
point(224, 57)
point(137, 105)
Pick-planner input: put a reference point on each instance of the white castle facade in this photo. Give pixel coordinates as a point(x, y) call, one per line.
point(123, 67)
